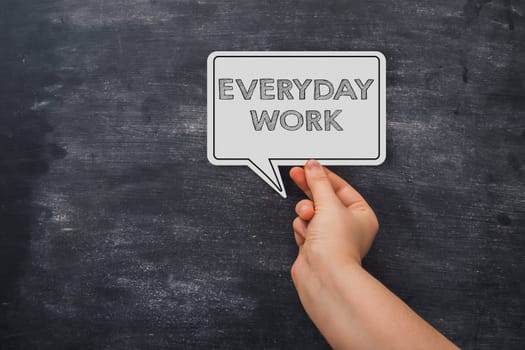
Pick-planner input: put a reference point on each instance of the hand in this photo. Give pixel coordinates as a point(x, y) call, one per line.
point(336, 225)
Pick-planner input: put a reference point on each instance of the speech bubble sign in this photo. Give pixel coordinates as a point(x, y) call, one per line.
point(267, 109)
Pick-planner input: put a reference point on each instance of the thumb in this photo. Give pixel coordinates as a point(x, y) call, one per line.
point(317, 179)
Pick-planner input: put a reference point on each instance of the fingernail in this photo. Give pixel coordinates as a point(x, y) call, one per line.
point(302, 208)
point(313, 164)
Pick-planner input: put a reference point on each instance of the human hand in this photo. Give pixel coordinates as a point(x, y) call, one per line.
point(336, 225)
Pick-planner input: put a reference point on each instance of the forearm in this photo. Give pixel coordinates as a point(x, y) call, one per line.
point(355, 311)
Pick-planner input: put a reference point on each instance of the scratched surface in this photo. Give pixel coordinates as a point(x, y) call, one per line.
point(116, 233)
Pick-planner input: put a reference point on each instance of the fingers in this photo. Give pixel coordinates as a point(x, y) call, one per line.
point(299, 230)
point(298, 176)
point(305, 209)
point(317, 179)
point(344, 191)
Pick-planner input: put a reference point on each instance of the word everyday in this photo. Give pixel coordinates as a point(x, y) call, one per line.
point(323, 89)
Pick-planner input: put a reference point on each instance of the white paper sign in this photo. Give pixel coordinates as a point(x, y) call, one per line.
point(267, 109)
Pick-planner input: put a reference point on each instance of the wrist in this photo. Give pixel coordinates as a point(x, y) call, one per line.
point(340, 275)
point(332, 271)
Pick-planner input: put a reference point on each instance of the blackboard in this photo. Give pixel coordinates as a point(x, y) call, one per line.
point(116, 232)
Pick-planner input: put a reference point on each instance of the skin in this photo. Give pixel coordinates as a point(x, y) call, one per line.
point(334, 230)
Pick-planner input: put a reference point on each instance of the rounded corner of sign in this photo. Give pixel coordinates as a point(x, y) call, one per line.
point(212, 159)
point(212, 56)
point(379, 160)
point(380, 56)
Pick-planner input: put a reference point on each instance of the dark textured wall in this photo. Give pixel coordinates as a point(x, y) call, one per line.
point(116, 232)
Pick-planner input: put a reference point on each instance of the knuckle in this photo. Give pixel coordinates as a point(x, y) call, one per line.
point(293, 271)
point(297, 270)
point(375, 224)
point(295, 224)
point(321, 176)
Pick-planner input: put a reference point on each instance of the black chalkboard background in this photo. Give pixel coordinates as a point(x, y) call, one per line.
point(116, 232)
